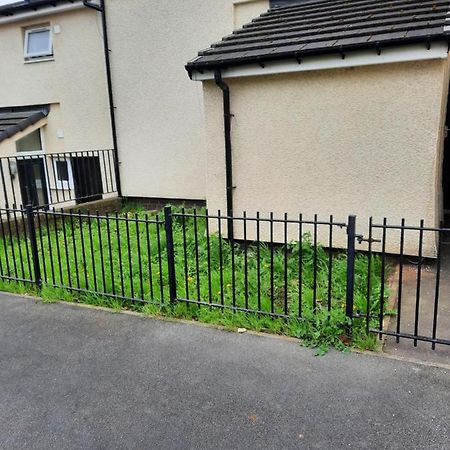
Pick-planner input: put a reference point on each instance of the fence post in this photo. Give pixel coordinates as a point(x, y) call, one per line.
point(170, 254)
point(350, 288)
point(33, 244)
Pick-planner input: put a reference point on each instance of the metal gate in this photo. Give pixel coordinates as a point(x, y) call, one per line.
point(414, 300)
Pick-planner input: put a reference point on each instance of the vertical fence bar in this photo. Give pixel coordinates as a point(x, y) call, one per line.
point(437, 287)
point(330, 264)
point(400, 281)
point(208, 249)
point(245, 260)
point(419, 282)
point(272, 287)
point(286, 254)
point(66, 247)
point(186, 264)
point(149, 256)
point(19, 245)
point(33, 245)
point(100, 245)
point(27, 249)
point(383, 276)
point(300, 264)
point(58, 247)
point(350, 294)
point(315, 264)
point(369, 277)
point(258, 257)
point(111, 261)
point(219, 218)
point(138, 241)
point(170, 254)
point(158, 241)
point(41, 241)
point(197, 256)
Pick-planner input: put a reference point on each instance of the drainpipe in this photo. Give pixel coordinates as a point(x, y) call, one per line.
point(228, 153)
point(112, 109)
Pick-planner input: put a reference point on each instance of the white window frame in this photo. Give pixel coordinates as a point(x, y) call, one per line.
point(59, 183)
point(31, 56)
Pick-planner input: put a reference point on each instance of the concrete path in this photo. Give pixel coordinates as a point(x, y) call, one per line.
point(423, 351)
point(77, 378)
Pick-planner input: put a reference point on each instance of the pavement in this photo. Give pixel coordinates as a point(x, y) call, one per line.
point(80, 378)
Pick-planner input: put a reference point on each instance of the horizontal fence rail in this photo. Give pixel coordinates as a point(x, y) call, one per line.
point(42, 179)
point(281, 267)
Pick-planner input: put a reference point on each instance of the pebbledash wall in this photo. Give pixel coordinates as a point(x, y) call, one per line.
point(159, 111)
point(73, 83)
point(363, 140)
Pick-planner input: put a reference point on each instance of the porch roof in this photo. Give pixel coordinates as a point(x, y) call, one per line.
point(29, 5)
point(328, 26)
point(16, 119)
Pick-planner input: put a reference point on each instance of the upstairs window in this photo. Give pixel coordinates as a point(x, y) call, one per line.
point(38, 43)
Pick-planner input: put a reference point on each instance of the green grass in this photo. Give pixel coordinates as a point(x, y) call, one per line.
point(73, 253)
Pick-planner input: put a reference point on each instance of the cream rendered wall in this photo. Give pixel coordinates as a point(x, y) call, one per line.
point(365, 141)
point(160, 121)
point(74, 83)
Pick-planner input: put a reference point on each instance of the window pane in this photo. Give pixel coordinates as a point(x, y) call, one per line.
point(38, 42)
point(62, 170)
point(30, 143)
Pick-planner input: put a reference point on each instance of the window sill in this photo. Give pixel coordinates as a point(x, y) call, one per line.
point(38, 60)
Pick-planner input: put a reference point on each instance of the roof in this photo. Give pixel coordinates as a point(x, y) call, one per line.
point(13, 120)
point(29, 5)
point(322, 26)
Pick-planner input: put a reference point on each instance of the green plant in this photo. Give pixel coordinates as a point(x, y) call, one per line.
point(127, 256)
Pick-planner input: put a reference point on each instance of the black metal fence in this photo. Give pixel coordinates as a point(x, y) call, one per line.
point(287, 268)
point(57, 178)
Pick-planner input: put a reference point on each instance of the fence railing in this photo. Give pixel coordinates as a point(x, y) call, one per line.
point(42, 179)
point(287, 268)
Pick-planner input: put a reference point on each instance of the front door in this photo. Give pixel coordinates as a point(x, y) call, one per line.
point(33, 185)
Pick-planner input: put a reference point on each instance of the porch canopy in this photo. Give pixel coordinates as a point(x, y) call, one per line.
point(16, 119)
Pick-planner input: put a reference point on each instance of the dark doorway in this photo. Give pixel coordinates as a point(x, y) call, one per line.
point(446, 169)
point(33, 184)
point(87, 178)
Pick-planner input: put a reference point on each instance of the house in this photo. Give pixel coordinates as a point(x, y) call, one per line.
point(335, 107)
point(138, 102)
point(55, 131)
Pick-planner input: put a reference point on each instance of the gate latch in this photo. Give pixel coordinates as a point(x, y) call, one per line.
point(360, 238)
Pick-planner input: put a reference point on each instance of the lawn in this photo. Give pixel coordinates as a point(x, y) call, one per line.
point(111, 261)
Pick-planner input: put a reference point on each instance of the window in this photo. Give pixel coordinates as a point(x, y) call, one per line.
point(63, 173)
point(30, 143)
point(38, 43)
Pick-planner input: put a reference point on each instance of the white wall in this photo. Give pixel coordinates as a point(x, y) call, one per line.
point(364, 141)
point(160, 121)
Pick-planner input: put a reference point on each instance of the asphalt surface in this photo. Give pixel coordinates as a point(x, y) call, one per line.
point(76, 378)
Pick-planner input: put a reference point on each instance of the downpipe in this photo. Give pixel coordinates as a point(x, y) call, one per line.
point(101, 8)
point(228, 150)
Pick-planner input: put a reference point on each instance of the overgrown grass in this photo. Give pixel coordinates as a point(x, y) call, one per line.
point(128, 258)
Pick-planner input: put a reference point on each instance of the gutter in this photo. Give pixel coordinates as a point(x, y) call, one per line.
point(297, 56)
point(100, 7)
point(228, 150)
point(40, 10)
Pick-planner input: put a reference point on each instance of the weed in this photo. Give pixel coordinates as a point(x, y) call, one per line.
point(128, 258)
